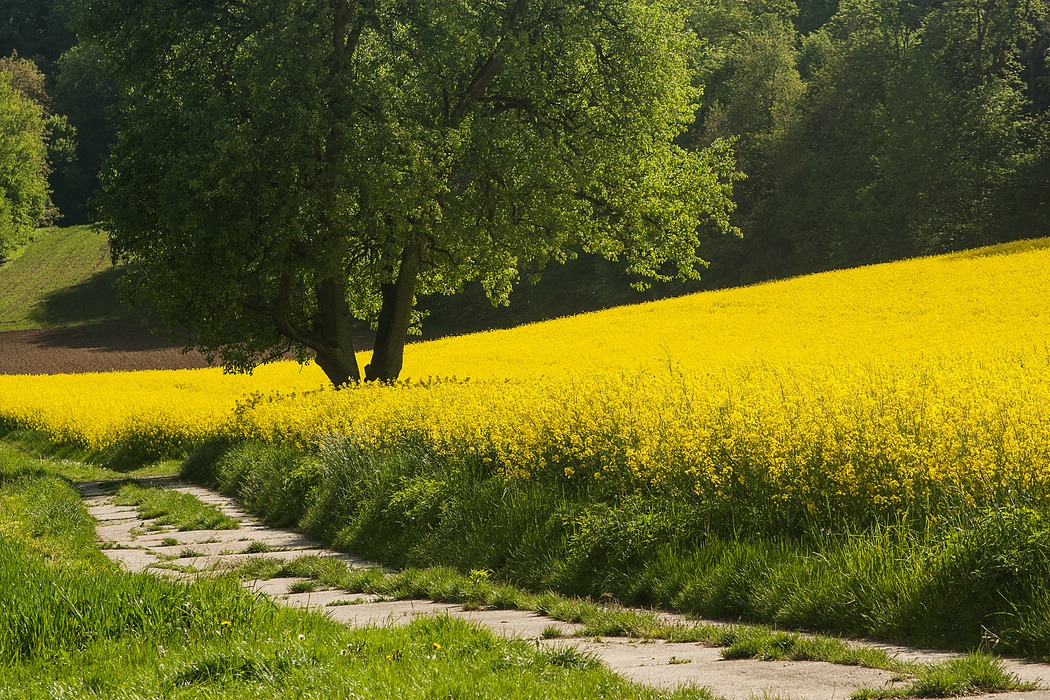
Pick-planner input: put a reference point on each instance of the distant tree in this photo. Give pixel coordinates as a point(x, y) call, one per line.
point(283, 167)
point(896, 128)
point(36, 29)
point(24, 198)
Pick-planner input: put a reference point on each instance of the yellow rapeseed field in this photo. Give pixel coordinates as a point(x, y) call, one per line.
point(914, 387)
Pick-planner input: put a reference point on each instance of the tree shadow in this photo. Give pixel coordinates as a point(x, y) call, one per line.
point(123, 335)
point(93, 300)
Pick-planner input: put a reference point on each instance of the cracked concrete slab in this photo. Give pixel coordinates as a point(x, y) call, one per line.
point(132, 559)
point(221, 548)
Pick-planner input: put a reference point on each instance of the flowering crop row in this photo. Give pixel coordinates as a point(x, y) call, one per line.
point(913, 388)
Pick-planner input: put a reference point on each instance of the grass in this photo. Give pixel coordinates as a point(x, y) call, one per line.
point(63, 278)
point(182, 511)
point(73, 626)
point(596, 619)
point(974, 674)
point(78, 463)
point(946, 587)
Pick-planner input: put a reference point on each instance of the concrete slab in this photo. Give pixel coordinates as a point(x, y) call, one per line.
point(242, 535)
point(323, 601)
point(517, 623)
point(132, 559)
point(382, 614)
point(273, 586)
point(107, 513)
point(220, 562)
point(218, 548)
point(124, 531)
point(668, 665)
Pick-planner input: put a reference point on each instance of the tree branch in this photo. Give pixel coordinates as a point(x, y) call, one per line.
point(281, 314)
point(492, 66)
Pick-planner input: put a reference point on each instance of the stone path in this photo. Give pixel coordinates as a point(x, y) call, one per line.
point(139, 546)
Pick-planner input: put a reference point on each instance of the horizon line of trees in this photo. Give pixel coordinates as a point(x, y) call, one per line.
point(869, 130)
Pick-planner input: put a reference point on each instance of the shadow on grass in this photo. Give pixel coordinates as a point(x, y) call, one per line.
point(93, 300)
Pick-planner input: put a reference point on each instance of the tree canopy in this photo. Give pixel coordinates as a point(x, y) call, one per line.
point(285, 166)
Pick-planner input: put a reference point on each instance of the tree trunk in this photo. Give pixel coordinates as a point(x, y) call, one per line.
point(334, 327)
point(395, 315)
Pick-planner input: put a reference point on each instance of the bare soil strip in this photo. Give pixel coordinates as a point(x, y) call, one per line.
point(139, 546)
point(101, 347)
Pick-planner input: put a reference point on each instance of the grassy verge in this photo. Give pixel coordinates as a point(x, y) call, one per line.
point(972, 675)
point(475, 590)
point(945, 587)
point(79, 463)
point(73, 626)
point(182, 511)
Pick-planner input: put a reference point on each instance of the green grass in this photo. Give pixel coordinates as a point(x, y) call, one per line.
point(977, 673)
point(73, 626)
point(183, 511)
point(597, 619)
point(78, 463)
point(940, 587)
point(63, 278)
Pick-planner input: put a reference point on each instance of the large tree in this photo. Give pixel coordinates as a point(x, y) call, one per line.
point(286, 166)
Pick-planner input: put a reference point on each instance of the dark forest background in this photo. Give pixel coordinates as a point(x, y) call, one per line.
point(869, 130)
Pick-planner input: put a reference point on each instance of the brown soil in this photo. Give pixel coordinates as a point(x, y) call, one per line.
point(104, 347)
point(101, 347)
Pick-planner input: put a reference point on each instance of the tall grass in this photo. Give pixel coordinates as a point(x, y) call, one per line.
point(73, 626)
point(949, 585)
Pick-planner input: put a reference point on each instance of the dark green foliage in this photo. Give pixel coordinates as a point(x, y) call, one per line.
point(873, 130)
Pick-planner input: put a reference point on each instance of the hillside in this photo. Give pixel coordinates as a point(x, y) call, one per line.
point(63, 278)
point(979, 301)
point(850, 451)
point(60, 311)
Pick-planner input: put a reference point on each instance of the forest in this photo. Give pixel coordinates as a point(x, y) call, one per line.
point(868, 130)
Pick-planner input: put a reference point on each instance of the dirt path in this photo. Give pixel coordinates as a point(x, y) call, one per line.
point(655, 663)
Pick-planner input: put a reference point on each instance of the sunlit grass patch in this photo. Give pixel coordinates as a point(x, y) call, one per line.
point(180, 510)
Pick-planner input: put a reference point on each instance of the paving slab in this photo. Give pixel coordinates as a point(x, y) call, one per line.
point(220, 562)
point(125, 532)
point(132, 559)
point(240, 535)
point(274, 586)
point(669, 665)
point(324, 601)
point(106, 513)
point(524, 624)
point(387, 613)
point(220, 548)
